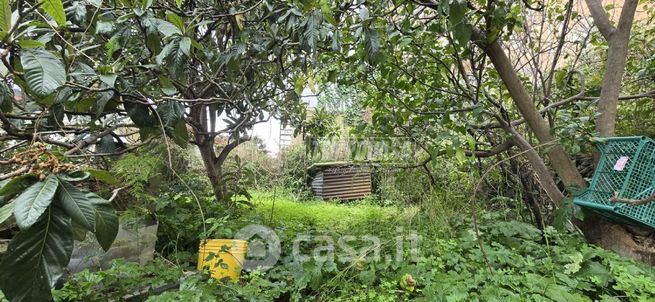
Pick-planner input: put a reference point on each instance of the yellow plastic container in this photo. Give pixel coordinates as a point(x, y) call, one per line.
point(227, 260)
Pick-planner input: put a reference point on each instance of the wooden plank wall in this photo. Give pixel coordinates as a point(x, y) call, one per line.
point(343, 183)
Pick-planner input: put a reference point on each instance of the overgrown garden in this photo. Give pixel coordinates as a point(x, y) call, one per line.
point(128, 141)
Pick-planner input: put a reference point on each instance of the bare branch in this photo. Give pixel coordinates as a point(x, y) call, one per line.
point(119, 152)
point(90, 140)
point(632, 202)
point(14, 173)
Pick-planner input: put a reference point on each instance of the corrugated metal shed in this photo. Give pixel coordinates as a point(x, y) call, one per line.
point(343, 181)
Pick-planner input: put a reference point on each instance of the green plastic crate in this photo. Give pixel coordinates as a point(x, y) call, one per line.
point(627, 166)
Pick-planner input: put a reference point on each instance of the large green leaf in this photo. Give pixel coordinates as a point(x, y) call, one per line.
point(175, 54)
point(170, 112)
point(456, 13)
point(457, 22)
point(75, 203)
point(106, 225)
point(24, 43)
point(164, 27)
point(105, 219)
point(77, 11)
point(79, 175)
point(140, 114)
point(34, 201)
point(36, 258)
point(95, 199)
point(5, 212)
point(462, 33)
point(161, 57)
point(326, 10)
point(312, 30)
point(16, 185)
point(172, 116)
point(175, 20)
point(79, 232)
point(55, 9)
point(372, 44)
point(6, 95)
point(5, 16)
point(180, 134)
point(185, 46)
point(44, 72)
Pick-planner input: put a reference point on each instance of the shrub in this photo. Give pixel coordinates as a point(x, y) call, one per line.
point(265, 168)
point(293, 169)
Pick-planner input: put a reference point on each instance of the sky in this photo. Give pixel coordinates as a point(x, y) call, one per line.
point(269, 132)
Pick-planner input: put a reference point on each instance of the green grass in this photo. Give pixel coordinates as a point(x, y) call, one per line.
point(327, 215)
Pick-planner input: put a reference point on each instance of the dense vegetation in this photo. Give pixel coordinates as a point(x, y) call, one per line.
point(476, 117)
point(524, 263)
point(506, 258)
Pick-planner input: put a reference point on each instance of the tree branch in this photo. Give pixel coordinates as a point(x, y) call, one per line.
point(601, 20)
point(627, 16)
point(119, 152)
point(493, 151)
point(632, 202)
point(14, 173)
point(228, 148)
point(559, 158)
point(90, 140)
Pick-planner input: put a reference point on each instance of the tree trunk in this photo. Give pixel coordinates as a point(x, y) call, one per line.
point(214, 164)
point(205, 143)
point(597, 229)
point(214, 171)
point(541, 171)
point(613, 236)
point(559, 159)
point(618, 40)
